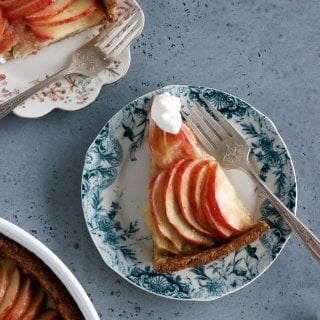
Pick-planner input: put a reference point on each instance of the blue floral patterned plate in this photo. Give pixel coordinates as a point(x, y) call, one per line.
point(115, 190)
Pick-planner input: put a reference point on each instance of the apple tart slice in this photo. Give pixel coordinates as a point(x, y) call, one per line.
point(26, 26)
point(29, 289)
point(194, 213)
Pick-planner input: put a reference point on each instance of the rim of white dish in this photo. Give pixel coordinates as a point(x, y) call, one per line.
point(74, 287)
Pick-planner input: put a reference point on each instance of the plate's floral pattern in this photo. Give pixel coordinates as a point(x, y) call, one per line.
point(72, 89)
point(70, 93)
point(5, 92)
point(114, 214)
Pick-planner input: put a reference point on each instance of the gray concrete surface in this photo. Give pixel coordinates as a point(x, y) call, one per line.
point(265, 52)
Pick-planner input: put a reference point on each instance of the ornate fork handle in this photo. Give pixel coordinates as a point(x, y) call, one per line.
point(310, 241)
point(8, 106)
point(230, 148)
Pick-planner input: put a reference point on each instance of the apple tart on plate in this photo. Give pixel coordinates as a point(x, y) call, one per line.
point(194, 212)
point(26, 26)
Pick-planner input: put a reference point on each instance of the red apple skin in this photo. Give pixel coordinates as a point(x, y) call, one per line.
point(198, 176)
point(217, 226)
point(6, 268)
point(2, 24)
point(174, 214)
point(167, 148)
point(42, 36)
point(35, 306)
point(50, 11)
point(158, 215)
point(9, 39)
point(185, 187)
point(62, 30)
point(163, 244)
point(5, 27)
point(27, 9)
point(74, 12)
point(227, 208)
point(22, 302)
point(3, 281)
point(11, 294)
point(11, 4)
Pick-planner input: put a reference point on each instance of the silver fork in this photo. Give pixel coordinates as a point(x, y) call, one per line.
point(93, 57)
point(230, 149)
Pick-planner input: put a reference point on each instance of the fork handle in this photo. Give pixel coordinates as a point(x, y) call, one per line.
point(310, 241)
point(9, 105)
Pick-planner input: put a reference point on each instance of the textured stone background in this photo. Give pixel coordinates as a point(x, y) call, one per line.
point(265, 52)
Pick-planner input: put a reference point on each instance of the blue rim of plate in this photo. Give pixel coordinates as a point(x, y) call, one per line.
point(115, 190)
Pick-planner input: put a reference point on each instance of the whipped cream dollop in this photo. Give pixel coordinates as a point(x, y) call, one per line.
point(2, 59)
point(165, 112)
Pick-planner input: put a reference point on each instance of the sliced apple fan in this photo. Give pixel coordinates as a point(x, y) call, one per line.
point(194, 213)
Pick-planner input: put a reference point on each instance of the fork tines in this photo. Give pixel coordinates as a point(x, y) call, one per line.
point(195, 120)
point(212, 130)
point(115, 40)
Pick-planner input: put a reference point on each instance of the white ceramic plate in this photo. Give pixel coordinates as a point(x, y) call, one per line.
point(115, 191)
point(55, 264)
point(70, 94)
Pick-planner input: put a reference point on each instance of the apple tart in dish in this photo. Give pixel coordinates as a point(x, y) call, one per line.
point(26, 26)
point(194, 212)
point(29, 289)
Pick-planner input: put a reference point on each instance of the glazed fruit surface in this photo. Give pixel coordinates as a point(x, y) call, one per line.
point(193, 206)
point(27, 23)
point(22, 297)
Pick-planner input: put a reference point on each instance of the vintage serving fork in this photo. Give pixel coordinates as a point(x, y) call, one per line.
point(230, 149)
point(91, 58)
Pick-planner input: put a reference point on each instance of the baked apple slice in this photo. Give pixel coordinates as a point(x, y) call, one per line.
point(78, 10)
point(158, 213)
point(216, 227)
point(198, 176)
point(174, 214)
point(163, 244)
point(2, 24)
point(12, 4)
point(34, 24)
point(8, 39)
point(60, 31)
point(27, 9)
point(226, 206)
point(164, 229)
point(6, 268)
point(35, 305)
point(167, 148)
point(11, 293)
point(52, 10)
point(3, 281)
point(187, 186)
point(22, 301)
